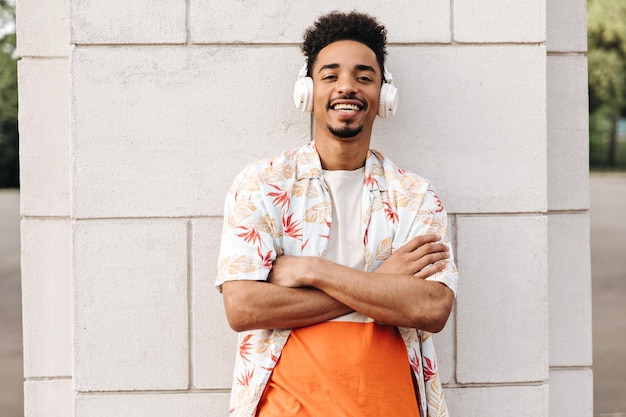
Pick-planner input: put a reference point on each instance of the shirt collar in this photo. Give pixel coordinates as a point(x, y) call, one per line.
point(308, 165)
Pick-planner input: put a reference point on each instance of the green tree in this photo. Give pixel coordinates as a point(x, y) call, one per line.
point(9, 140)
point(606, 33)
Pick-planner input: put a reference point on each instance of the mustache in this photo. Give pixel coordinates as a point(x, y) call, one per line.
point(351, 96)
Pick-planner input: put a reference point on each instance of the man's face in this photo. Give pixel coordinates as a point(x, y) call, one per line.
point(346, 89)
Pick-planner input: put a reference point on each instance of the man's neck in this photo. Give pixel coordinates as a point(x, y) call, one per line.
point(342, 154)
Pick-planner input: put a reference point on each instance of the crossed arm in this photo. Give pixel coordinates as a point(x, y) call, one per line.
point(308, 290)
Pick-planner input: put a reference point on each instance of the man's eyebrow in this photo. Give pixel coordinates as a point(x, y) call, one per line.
point(365, 68)
point(360, 67)
point(328, 66)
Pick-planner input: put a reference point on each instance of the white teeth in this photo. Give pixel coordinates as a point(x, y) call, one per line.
point(343, 106)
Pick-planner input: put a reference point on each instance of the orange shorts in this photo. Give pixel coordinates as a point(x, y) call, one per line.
point(341, 369)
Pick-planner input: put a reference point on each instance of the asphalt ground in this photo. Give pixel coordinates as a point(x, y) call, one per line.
point(11, 396)
point(608, 264)
point(608, 271)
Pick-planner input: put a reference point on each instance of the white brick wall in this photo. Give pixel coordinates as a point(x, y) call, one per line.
point(136, 116)
point(123, 22)
point(566, 29)
point(571, 392)
point(43, 28)
point(283, 21)
point(150, 148)
point(569, 289)
point(498, 401)
point(152, 405)
point(130, 305)
point(43, 34)
point(48, 398)
point(473, 116)
point(214, 342)
point(568, 130)
point(497, 21)
point(47, 276)
point(44, 123)
point(571, 379)
point(502, 328)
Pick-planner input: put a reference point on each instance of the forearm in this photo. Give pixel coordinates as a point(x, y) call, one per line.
point(262, 305)
point(401, 300)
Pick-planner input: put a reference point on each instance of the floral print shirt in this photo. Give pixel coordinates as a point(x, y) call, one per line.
point(282, 206)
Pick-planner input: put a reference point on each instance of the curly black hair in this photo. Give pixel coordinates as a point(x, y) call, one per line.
point(338, 26)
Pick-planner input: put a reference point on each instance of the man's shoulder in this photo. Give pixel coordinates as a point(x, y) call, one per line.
point(400, 178)
point(408, 190)
point(277, 169)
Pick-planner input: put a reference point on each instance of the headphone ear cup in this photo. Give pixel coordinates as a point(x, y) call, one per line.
point(303, 94)
point(388, 101)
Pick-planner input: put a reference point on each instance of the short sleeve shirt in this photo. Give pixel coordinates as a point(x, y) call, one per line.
point(281, 206)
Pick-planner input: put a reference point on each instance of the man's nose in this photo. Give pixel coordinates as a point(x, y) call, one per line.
point(346, 85)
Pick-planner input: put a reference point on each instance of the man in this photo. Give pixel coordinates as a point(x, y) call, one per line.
point(332, 257)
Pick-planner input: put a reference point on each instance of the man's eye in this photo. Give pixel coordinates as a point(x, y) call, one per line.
point(364, 78)
point(329, 77)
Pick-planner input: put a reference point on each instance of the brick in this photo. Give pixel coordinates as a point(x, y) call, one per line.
point(214, 343)
point(47, 298)
point(130, 305)
point(571, 392)
point(152, 405)
point(123, 22)
point(282, 21)
point(473, 122)
point(43, 28)
point(445, 343)
point(163, 131)
point(568, 103)
point(496, 21)
point(44, 125)
point(502, 309)
point(568, 133)
point(566, 25)
point(48, 398)
point(520, 401)
point(569, 268)
point(568, 169)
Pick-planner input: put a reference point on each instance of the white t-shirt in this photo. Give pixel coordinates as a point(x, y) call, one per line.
point(345, 242)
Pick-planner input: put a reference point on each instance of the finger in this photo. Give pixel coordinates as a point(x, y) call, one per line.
point(429, 248)
point(421, 240)
point(432, 269)
point(430, 259)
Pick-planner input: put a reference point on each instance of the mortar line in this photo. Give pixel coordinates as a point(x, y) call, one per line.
point(47, 378)
point(155, 392)
point(455, 305)
point(190, 334)
point(187, 19)
point(142, 218)
point(452, 34)
point(259, 45)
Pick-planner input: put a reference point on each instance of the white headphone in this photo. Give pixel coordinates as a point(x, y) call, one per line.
point(387, 103)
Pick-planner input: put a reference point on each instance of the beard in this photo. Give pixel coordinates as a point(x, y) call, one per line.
point(346, 132)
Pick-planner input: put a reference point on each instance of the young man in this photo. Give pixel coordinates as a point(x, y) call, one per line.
point(332, 258)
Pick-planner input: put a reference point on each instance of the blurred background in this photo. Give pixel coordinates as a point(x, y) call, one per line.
point(607, 162)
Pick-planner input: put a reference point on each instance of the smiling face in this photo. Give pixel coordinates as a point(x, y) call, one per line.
point(346, 89)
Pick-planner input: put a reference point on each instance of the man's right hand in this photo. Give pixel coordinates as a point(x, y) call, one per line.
point(421, 257)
